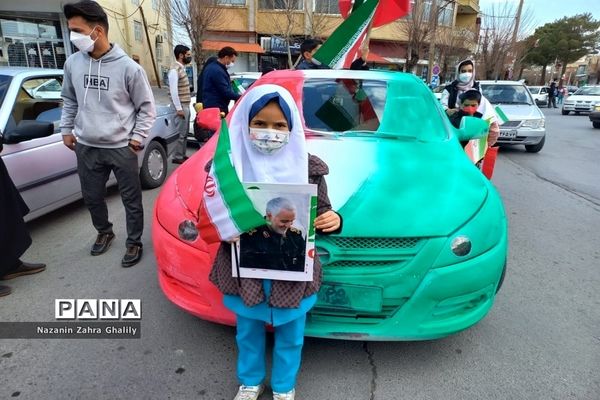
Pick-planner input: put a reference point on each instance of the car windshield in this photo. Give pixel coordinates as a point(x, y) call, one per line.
point(4, 83)
point(506, 94)
point(589, 91)
point(350, 107)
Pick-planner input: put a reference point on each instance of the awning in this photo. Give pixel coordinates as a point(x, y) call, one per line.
point(239, 47)
point(376, 58)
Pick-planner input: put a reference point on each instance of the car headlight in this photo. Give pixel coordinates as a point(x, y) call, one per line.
point(534, 123)
point(478, 235)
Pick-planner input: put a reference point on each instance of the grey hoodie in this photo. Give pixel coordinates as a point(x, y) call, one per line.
point(107, 101)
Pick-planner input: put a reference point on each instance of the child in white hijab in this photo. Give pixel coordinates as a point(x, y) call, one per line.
point(268, 145)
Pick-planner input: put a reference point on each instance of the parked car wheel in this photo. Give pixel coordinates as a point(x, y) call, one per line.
point(565, 112)
point(596, 125)
point(534, 148)
point(154, 166)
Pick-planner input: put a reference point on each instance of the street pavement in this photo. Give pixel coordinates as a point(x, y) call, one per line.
point(540, 341)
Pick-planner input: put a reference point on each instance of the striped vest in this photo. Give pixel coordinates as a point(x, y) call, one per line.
point(183, 84)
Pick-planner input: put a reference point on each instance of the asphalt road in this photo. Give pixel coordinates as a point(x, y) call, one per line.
point(541, 340)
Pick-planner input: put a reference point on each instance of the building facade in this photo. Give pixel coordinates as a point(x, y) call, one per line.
point(35, 34)
point(273, 23)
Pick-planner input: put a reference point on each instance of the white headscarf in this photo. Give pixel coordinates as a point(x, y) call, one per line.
point(463, 87)
point(289, 164)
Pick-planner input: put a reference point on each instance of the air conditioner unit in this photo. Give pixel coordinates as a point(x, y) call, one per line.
point(159, 39)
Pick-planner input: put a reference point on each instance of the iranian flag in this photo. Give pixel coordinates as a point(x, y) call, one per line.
point(342, 47)
point(226, 211)
point(387, 10)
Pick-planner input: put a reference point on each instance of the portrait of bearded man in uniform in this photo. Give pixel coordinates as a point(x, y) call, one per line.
point(276, 245)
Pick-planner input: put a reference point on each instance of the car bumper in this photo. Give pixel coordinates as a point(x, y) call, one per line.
point(578, 107)
point(437, 308)
point(524, 136)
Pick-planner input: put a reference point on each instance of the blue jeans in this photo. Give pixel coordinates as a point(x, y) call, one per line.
point(287, 353)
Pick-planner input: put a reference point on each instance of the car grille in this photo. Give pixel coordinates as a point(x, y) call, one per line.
point(375, 243)
point(338, 315)
point(511, 124)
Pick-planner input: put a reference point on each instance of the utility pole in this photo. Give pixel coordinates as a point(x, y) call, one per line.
point(433, 21)
point(150, 46)
point(516, 31)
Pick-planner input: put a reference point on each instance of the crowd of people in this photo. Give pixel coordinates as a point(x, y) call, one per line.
point(105, 144)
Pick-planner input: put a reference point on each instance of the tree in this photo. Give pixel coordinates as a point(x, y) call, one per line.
point(416, 27)
point(565, 41)
point(286, 21)
point(497, 50)
point(194, 17)
point(451, 49)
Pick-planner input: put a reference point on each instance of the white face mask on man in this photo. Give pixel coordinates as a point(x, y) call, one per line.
point(84, 43)
point(230, 65)
point(268, 141)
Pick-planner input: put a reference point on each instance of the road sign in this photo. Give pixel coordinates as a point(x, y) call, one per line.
point(436, 70)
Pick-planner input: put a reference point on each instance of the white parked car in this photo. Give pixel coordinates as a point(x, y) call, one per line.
point(42, 168)
point(526, 124)
point(583, 100)
point(540, 94)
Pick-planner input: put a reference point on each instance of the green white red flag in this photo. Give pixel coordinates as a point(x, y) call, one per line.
point(226, 211)
point(342, 47)
point(387, 10)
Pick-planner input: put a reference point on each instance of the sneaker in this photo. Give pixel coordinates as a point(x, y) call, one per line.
point(284, 396)
point(132, 256)
point(249, 392)
point(103, 241)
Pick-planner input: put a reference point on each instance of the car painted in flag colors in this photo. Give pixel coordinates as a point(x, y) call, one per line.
point(423, 248)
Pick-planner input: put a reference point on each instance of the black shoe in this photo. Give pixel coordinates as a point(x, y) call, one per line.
point(5, 290)
point(103, 241)
point(132, 256)
point(24, 269)
point(179, 160)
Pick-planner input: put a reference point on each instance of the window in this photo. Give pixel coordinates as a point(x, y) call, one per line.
point(445, 11)
point(446, 14)
point(280, 4)
point(137, 30)
point(327, 7)
point(159, 52)
point(231, 2)
point(155, 5)
point(135, 2)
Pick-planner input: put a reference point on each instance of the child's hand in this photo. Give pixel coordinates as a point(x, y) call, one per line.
point(329, 221)
point(493, 134)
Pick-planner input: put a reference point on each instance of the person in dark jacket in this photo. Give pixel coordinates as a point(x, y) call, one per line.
point(14, 237)
point(552, 94)
point(216, 85)
point(200, 82)
point(308, 48)
point(360, 64)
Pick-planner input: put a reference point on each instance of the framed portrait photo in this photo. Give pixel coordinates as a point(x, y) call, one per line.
point(283, 248)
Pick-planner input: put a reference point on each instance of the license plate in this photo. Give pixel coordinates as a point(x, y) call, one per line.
point(510, 134)
point(350, 297)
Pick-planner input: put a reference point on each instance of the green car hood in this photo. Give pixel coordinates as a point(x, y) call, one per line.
point(400, 187)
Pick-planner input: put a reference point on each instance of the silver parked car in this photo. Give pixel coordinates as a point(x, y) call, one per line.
point(526, 124)
point(42, 168)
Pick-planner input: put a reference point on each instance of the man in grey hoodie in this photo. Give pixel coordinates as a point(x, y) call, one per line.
point(107, 112)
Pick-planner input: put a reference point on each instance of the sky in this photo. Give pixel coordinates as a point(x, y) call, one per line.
point(545, 11)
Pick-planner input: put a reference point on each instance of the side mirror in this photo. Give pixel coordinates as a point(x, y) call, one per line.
point(28, 130)
point(209, 118)
point(472, 128)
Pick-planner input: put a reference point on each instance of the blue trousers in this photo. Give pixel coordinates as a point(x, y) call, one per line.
point(287, 353)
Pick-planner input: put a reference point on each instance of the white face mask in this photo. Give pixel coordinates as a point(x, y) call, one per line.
point(84, 43)
point(268, 141)
point(230, 65)
point(465, 77)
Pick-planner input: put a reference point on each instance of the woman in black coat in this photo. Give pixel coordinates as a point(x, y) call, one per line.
point(14, 237)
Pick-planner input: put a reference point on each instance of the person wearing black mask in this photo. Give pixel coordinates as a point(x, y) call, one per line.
point(179, 91)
